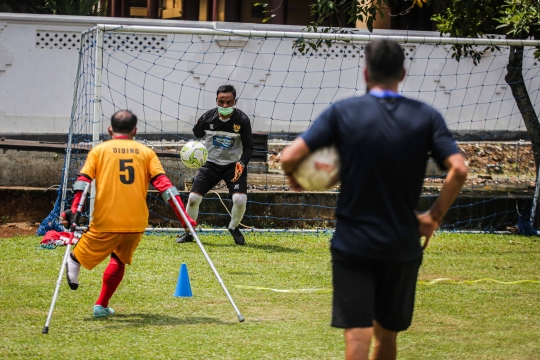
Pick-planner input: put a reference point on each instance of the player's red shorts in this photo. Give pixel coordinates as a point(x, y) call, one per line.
point(94, 247)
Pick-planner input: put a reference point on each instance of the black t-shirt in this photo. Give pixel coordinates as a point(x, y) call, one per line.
point(383, 144)
point(227, 141)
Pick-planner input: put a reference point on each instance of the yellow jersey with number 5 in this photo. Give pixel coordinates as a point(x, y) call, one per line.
point(122, 170)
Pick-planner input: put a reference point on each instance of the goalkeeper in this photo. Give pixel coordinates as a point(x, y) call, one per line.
point(230, 145)
point(122, 170)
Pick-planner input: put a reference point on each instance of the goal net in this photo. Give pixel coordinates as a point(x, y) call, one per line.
point(169, 76)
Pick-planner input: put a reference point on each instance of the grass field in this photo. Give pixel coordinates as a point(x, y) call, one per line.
point(479, 321)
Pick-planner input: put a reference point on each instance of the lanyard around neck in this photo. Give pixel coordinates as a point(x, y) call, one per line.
point(384, 94)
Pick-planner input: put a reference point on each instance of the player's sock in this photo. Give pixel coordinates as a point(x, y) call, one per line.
point(113, 275)
point(192, 207)
point(238, 210)
point(73, 267)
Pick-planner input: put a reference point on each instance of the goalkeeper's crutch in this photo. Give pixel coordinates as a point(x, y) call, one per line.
point(72, 228)
point(194, 234)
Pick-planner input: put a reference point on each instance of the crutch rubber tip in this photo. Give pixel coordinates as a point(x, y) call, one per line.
point(45, 330)
point(241, 318)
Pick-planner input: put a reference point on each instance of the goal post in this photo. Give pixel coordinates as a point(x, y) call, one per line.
point(168, 77)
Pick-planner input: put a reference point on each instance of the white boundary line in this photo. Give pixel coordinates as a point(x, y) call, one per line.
point(300, 231)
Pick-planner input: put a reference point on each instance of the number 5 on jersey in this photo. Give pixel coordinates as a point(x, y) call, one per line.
point(130, 178)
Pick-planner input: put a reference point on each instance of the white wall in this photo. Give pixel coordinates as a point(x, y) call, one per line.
point(281, 92)
point(37, 81)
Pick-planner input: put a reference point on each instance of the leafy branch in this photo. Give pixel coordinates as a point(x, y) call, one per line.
point(366, 11)
point(74, 7)
point(264, 5)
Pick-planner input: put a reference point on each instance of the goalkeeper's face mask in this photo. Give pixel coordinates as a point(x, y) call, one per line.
point(225, 104)
point(225, 111)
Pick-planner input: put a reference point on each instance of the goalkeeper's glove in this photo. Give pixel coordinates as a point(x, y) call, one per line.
point(162, 184)
point(238, 170)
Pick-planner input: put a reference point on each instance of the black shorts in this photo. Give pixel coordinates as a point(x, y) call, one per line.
point(367, 290)
point(211, 174)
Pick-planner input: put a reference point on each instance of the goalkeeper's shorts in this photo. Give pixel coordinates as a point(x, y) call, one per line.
point(367, 289)
point(211, 174)
point(95, 246)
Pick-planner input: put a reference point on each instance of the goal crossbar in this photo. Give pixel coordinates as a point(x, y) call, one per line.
point(318, 36)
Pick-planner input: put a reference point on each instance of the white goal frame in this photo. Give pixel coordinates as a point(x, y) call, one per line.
point(233, 34)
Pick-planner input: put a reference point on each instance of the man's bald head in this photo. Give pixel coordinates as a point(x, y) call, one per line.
point(123, 122)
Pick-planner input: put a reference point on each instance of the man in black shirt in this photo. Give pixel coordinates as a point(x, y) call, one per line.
point(383, 140)
point(229, 144)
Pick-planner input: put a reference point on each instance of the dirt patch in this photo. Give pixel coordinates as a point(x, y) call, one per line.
point(510, 159)
point(496, 158)
point(10, 230)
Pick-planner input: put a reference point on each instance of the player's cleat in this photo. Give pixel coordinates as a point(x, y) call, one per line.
point(101, 312)
point(72, 273)
point(237, 236)
point(187, 237)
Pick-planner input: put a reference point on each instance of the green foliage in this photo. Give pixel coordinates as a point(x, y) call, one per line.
point(270, 15)
point(327, 9)
point(74, 7)
point(363, 10)
point(303, 45)
point(517, 19)
point(469, 19)
point(520, 18)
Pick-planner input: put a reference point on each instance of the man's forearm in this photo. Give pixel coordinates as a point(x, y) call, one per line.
point(198, 131)
point(454, 181)
point(246, 155)
point(293, 154)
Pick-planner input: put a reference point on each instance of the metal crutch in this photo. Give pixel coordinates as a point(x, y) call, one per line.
point(68, 247)
point(194, 234)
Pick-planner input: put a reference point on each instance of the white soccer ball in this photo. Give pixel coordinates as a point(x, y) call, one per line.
point(319, 170)
point(194, 154)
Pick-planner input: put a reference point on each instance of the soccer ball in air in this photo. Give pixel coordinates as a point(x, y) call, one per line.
point(319, 170)
point(194, 154)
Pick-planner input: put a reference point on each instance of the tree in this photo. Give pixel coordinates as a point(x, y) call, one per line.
point(516, 19)
point(75, 7)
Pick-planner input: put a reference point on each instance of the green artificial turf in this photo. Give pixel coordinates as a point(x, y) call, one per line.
point(478, 321)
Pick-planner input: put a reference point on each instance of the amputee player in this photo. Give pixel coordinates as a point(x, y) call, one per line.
point(122, 169)
point(383, 140)
point(230, 146)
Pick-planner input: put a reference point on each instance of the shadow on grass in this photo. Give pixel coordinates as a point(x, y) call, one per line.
point(141, 319)
point(269, 248)
point(242, 273)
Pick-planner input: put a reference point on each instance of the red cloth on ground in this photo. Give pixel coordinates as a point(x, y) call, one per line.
point(57, 238)
point(113, 275)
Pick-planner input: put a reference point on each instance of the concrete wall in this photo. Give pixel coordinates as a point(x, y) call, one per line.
point(277, 210)
point(44, 169)
point(172, 84)
point(30, 168)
